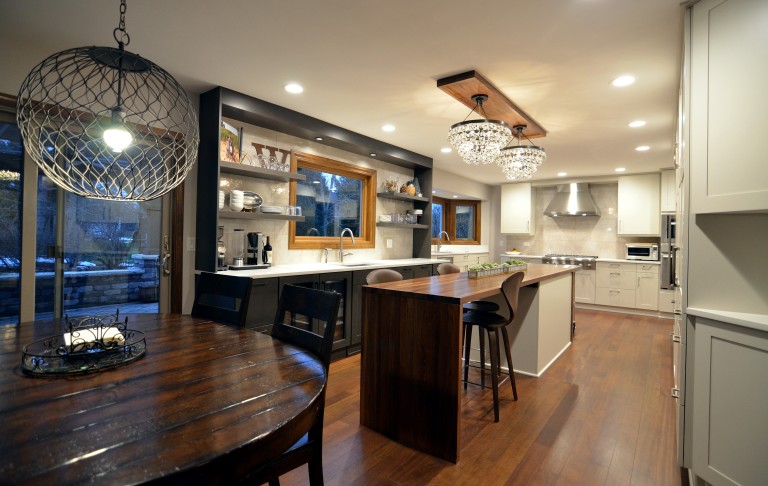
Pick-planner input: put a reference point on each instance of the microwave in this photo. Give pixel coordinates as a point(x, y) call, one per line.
point(642, 251)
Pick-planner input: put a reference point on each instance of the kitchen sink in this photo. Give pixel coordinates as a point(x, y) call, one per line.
point(356, 264)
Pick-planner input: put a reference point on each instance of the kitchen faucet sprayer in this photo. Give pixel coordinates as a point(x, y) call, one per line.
point(440, 239)
point(341, 242)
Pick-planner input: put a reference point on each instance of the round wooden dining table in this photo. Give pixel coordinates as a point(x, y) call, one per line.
point(206, 404)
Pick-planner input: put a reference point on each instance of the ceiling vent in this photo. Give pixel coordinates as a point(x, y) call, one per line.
point(572, 200)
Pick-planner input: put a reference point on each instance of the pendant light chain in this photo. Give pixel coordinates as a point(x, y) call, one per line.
point(105, 123)
point(124, 39)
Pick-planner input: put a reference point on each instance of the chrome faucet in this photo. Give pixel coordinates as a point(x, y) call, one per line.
point(341, 243)
point(440, 239)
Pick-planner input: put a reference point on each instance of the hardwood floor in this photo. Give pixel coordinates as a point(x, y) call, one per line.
point(601, 414)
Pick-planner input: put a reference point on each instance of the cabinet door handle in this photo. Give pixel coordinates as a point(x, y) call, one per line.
point(259, 284)
point(675, 392)
point(528, 225)
point(675, 339)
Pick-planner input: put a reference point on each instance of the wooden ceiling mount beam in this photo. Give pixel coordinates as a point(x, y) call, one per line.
point(462, 87)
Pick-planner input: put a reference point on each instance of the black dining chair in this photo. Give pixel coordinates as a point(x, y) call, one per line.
point(222, 298)
point(496, 327)
point(319, 309)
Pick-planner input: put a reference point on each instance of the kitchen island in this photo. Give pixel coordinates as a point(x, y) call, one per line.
point(410, 386)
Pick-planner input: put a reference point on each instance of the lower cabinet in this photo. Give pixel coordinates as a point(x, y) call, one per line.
point(616, 283)
point(263, 304)
point(265, 294)
point(730, 399)
point(667, 300)
point(622, 284)
point(465, 260)
point(584, 283)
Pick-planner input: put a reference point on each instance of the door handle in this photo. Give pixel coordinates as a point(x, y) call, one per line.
point(675, 392)
point(166, 261)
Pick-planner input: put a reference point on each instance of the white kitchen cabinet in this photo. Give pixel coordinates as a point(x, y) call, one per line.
point(465, 260)
point(647, 291)
point(668, 191)
point(638, 205)
point(730, 432)
point(729, 45)
point(625, 284)
point(667, 300)
point(616, 275)
point(517, 209)
point(615, 297)
point(584, 291)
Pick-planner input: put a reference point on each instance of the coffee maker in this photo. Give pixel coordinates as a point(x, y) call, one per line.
point(256, 249)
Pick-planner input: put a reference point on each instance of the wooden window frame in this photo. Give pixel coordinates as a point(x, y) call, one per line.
point(449, 220)
point(367, 238)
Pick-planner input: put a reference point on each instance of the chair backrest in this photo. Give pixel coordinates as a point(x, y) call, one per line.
point(383, 275)
point(511, 290)
point(222, 298)
point(318, 308)
point(446, 268)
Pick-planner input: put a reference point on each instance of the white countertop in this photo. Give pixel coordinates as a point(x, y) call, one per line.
point(599, 259)
point(309, 268)
point(744, 319)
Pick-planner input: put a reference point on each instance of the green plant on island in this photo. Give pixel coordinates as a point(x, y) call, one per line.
point(514, 262)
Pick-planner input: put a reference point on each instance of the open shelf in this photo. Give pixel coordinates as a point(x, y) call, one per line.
point(260, 172)
point(401, 197)
point(243, 215)
point(402, 225)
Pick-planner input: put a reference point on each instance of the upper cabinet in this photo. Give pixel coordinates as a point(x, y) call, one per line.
point(517, 209)
point(638, 209)
point(727, 109)
point(668, 191)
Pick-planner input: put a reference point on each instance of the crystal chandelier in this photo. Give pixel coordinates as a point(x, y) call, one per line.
point(479, 141)
point(520, 161)
point(104, 123)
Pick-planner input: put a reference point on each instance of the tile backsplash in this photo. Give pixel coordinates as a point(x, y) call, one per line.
point(587, 235)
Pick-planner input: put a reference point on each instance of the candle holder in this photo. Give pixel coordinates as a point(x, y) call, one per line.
point(90, 343)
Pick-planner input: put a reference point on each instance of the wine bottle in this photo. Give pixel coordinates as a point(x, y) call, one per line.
point(267, 254)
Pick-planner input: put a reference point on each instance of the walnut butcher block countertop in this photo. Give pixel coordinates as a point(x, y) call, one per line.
point(459, 286)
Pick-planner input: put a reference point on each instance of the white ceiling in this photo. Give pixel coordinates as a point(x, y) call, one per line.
point(365, 63)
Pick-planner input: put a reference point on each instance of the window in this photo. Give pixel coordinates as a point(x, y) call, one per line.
point(459, 218)
point(334, 196)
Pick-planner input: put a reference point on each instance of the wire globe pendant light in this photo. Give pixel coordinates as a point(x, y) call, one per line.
point(479, 141)
point(105, 123)
point(520, 161)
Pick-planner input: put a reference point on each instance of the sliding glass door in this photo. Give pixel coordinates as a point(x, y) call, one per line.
point(11, 184)
point(95, 256)
point(90, 256)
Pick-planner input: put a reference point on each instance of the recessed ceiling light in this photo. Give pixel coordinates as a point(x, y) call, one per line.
point(619, 169)
point(562, 174)
point(446, 150)
point(319, 139)
point(294, 88)
point(434, 192)
point(372, 154)
point(388, 128)
point(642, 148)
point(637, 123)
point(623, 80)
point(455, 196)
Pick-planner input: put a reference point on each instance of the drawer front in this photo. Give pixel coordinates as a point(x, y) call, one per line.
point(616, 279)
point(615, 297)
point(647, 268)
point(615, 266)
